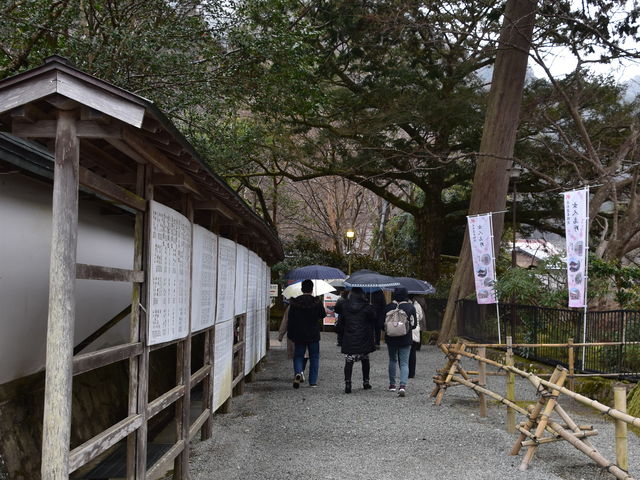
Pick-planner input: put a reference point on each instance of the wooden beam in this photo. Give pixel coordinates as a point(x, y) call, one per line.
point(217, 206)
point(62, 102)
point(199, 423)
point(168, 457)
point(97, 272)
point(126, 149)
point(27, 113)
point(101, 358)
point(110, 190)
point(198, 376)
point(158, 159)
point(62, 303)
point(47, 129)
point(164, 400)
point(163, 179)
point(102, 442)
point(125, 312)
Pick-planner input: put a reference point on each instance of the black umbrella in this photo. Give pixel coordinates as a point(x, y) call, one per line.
point(370, 281)
point(315, 272)
point(415, 286)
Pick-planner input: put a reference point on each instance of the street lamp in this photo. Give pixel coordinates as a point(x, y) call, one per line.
point(351, 235)
point(514, 175)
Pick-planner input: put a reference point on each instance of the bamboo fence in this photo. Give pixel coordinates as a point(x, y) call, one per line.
point(539, 428)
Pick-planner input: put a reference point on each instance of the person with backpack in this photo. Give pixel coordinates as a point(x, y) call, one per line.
point(400, 320)
point(356, 326)
point(303, 328)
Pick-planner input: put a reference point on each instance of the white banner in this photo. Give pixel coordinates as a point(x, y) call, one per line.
point(481, 238)
point(203, 278)
point(169, 274)
point(576, 204)
point(226, 279)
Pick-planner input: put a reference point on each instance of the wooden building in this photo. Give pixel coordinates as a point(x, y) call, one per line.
point(118, 241)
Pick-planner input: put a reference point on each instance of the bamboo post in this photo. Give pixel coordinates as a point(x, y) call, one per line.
point(571, 361)
point(544, 417)
point(537, 408)
point(62, 303)
point(511, 388)
point(452, 370)
point(612, 468)
point(448, 365)
point(620, 403)
point(482, 381)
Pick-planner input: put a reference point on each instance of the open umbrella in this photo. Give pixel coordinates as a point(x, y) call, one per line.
point(370, 281)
point(320, 287)
point(415, 286)
point(320, 272)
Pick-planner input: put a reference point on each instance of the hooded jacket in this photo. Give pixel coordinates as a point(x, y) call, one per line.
point(305, 315)
point(399, 297)
point(356, 325)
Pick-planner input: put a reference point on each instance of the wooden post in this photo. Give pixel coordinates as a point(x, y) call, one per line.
point(571, 360)
point(183, 374)
point(482, 381)
point(620, 403)
point(511, 388)
point(62, 303)
point(143, 369)
point(134, 335)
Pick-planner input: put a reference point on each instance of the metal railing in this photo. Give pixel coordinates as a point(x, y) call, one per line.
point(528, 324)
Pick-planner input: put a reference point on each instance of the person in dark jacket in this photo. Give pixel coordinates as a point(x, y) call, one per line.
point(356, 327)
point(336, 308)
point(400, 347)
point(305, 316)
point(376, 298)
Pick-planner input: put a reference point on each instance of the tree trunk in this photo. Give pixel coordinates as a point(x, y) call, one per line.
point(491, 182)
point(430, 230)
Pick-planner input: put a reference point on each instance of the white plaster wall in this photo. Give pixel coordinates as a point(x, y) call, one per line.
point(25, 232)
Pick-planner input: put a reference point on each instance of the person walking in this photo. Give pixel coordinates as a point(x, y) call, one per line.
point(282, 331)
point(305, 315)
point(357, 330)
point(415, 335)
point(400, 317)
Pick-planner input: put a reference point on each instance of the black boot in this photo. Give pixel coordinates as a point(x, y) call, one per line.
point(348, 370)
point(365, 374)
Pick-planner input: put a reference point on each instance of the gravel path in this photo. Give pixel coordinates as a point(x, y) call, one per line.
point(276, 432)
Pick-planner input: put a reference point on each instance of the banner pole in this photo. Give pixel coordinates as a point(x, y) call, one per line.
point(586, 278)
point(493, 256)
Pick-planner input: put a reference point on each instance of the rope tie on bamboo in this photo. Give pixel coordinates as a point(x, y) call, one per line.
point(541, 391)
point(607, 412)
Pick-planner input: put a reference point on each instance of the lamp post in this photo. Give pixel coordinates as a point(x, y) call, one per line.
point(514, 175)
point(351, 235)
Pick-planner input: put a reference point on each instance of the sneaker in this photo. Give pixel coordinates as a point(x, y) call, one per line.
point(313, 385)
point(392, 388)
point(302, 377)
point(296, 380)
point(401, 391)
point(366, 385)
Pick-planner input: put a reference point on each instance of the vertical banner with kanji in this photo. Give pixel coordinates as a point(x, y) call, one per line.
point(576, 204)
point(481, 238)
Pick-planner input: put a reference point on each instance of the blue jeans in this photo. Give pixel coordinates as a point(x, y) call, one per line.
point(399, 354)
point(314, 360)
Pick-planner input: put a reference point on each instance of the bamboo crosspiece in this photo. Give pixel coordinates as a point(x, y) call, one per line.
point(539, 428)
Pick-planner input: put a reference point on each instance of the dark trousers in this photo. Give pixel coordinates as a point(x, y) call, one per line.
point(348, 369)
point(412, 359)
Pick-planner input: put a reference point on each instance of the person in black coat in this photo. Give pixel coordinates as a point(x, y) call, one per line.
point(400, 347)
point(305, 315)
point(356, 328)
point(376, 298)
